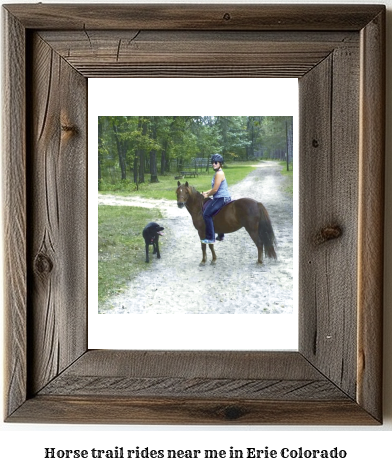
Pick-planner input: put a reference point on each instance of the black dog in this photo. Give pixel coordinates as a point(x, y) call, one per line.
point(151, 234)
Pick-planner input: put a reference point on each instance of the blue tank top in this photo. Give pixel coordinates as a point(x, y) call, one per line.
point(223, 190)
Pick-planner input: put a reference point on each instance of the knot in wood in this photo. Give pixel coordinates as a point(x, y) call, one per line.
point(43, 264)
point(315, 143)
point(232, 413)
point(227, 16)
point(69, 128)
point(328, 233)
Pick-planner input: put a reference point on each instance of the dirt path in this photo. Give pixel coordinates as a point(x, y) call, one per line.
point(236, 284)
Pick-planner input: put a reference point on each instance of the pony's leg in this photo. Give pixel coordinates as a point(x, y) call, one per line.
point(204, 251)
point(260, 254)
point(213, 253)
point(254, 235)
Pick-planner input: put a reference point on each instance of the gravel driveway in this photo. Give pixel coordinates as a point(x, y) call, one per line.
point(236, 283)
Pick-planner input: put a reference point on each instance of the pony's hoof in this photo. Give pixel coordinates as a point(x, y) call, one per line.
point(213, 262)
point(259, 263)
point(202, 264)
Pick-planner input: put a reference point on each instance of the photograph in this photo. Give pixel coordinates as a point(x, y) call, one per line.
point(195, 214)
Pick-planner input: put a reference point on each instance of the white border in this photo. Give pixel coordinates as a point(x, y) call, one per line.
point(187, 96)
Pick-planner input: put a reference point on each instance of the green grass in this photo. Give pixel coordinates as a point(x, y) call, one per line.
point(288, 187)
point(121, 250)
point(167, 184)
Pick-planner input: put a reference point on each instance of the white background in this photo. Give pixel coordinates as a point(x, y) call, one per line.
point(187, 96)
point(22, 446)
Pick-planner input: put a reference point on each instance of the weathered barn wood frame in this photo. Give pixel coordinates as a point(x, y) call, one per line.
point(337, 53)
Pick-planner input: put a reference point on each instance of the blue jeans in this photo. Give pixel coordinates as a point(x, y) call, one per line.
point(210, 211)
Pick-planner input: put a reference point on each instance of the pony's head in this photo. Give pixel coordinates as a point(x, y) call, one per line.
point(184, 192)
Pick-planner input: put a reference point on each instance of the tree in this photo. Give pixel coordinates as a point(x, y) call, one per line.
point(153, 152)
point(120, 150)
point(277, 137)
point(235, 141)
point(209, 138)
point(129, 147)
point(141, 152)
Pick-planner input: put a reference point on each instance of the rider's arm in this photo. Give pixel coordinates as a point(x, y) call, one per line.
point(219, 177)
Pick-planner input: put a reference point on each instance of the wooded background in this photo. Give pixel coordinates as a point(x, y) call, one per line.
point(131, 147)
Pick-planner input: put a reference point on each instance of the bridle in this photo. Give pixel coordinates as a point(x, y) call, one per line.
point(186, 202)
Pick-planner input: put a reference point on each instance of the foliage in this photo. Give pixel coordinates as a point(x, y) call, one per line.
point(137, 149)
point(277, 137)
point(167, 185)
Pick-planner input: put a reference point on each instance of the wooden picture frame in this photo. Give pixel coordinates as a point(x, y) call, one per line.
point(338, 54)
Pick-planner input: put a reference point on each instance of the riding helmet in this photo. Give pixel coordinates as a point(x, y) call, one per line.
point(217, 158)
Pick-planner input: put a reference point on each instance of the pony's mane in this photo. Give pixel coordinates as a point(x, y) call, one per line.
point(193, 190)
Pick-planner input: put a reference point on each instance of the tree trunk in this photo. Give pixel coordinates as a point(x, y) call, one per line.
point(135, 166)
point(153, 166)
point(251, 135)
point(153, 153)
point(141, 152)
point(121, 156)
point(163, 159)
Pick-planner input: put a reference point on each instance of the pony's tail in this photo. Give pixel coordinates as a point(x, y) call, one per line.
point(266, 233)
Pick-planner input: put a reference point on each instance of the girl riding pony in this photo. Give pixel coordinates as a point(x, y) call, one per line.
point(221, 196)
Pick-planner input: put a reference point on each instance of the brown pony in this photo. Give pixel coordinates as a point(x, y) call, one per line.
point(239, 213)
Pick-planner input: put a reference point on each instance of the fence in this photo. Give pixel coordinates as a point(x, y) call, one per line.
point(192, 168)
